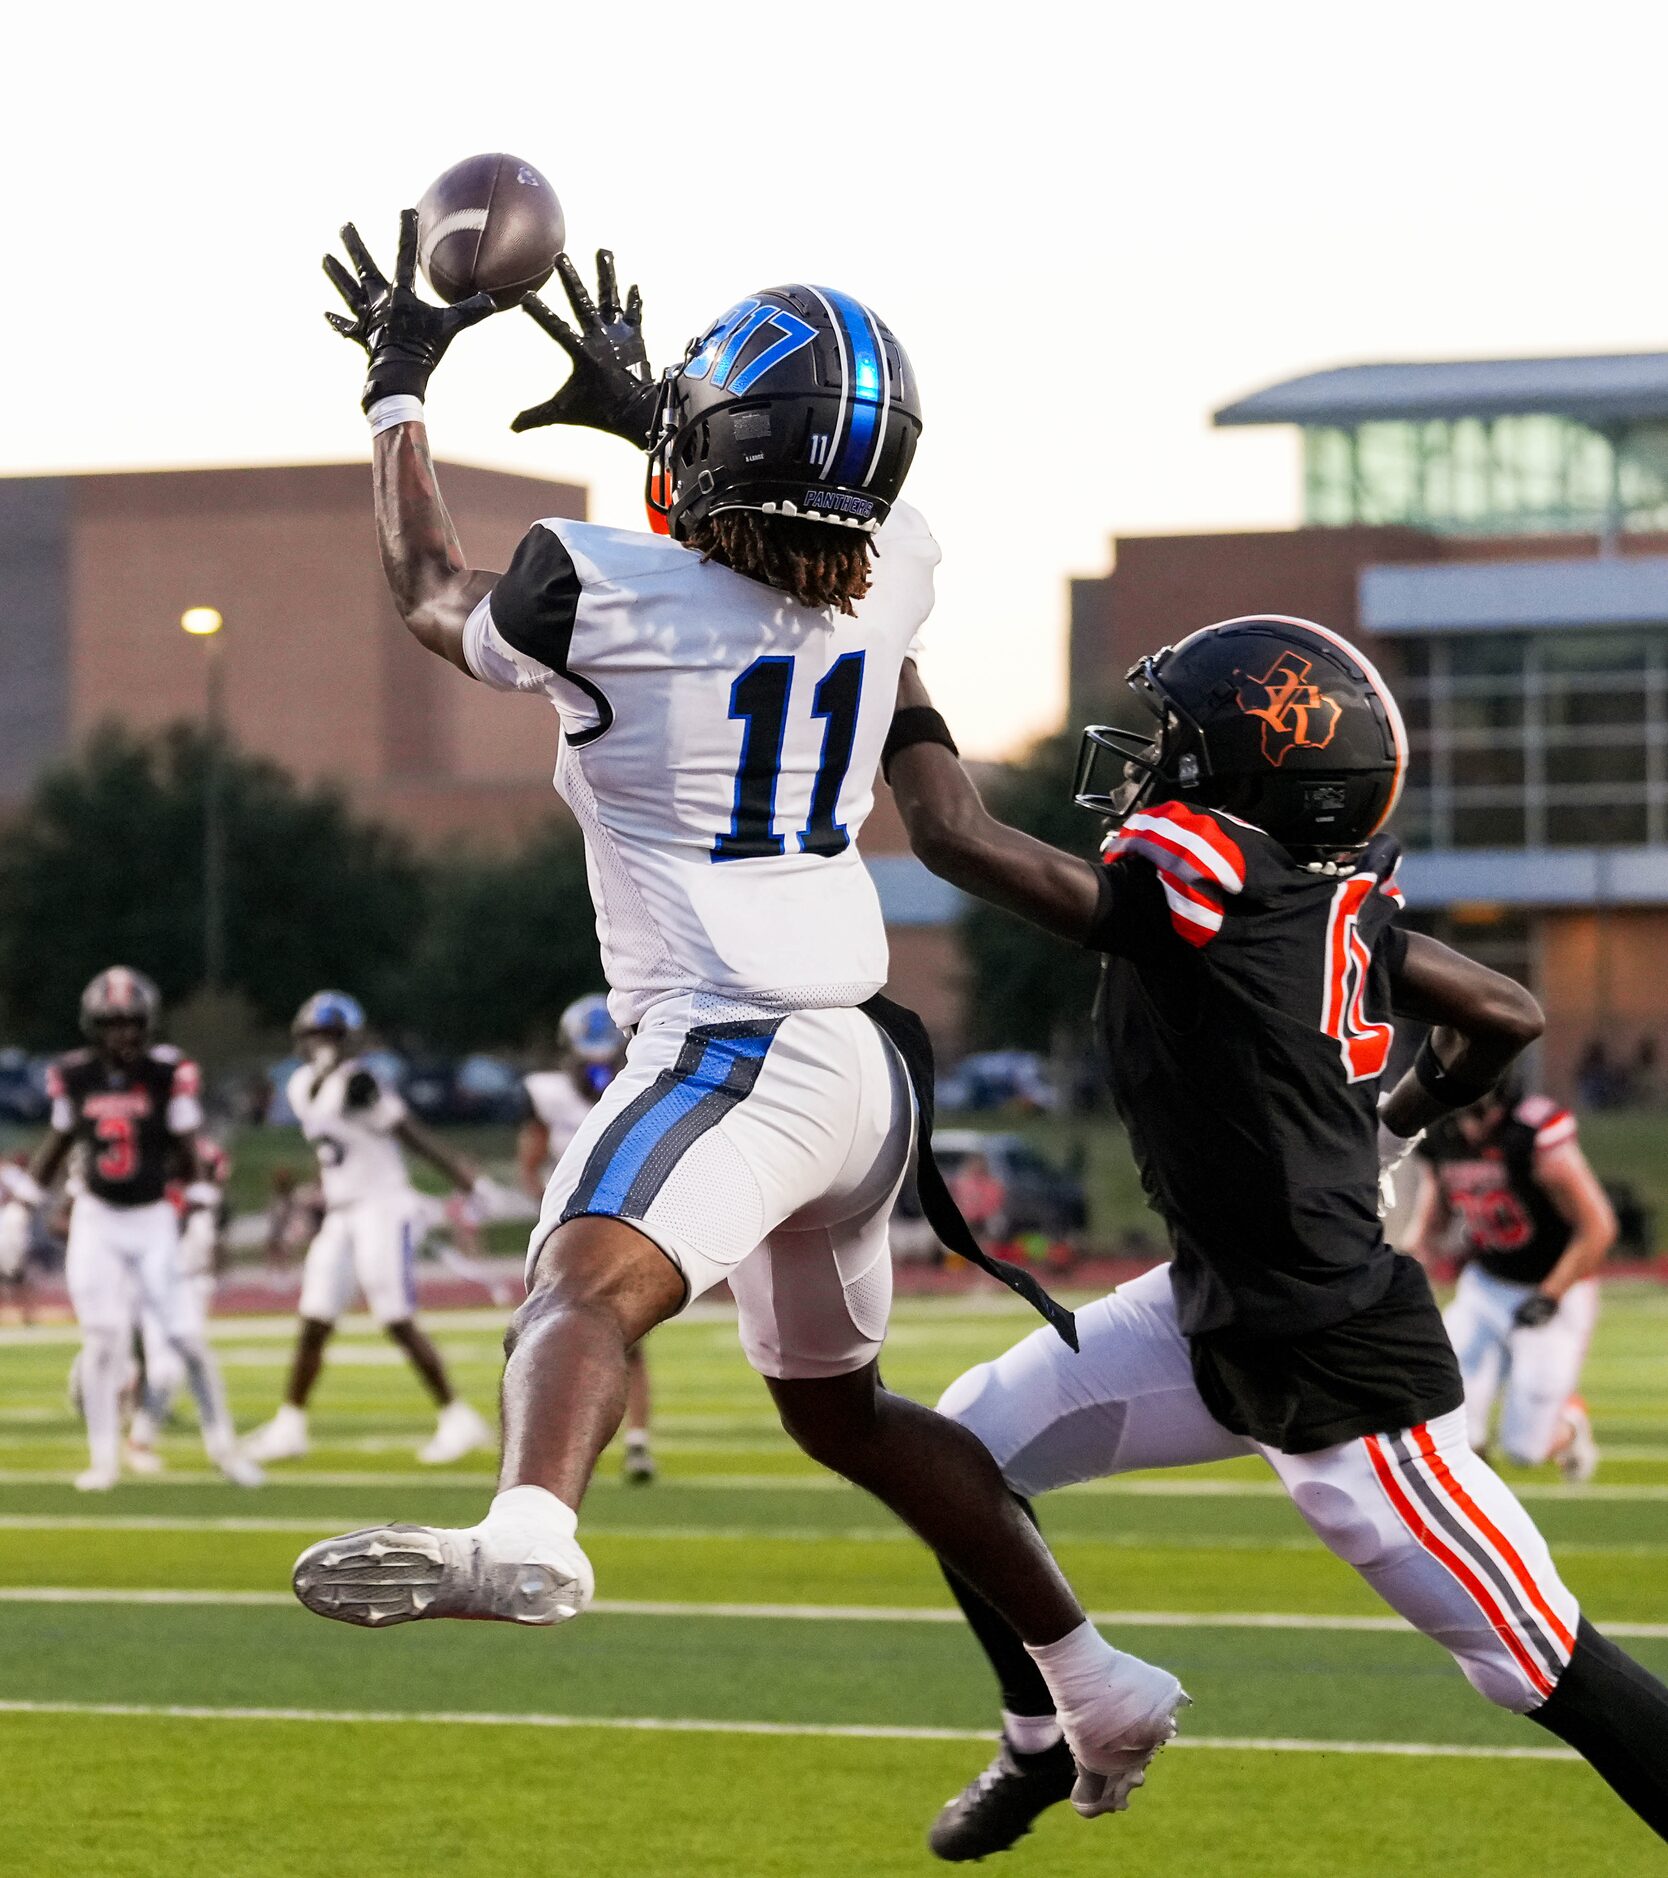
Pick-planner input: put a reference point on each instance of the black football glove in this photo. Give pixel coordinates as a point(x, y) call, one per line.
point(1535, 1310)
point(403, 335)
point(611, 387)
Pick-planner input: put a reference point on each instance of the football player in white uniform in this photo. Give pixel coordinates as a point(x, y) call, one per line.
point(373, 1223)
point(724, 690)
point(131, 1108)
point(18, 1232)
point(592, 1053)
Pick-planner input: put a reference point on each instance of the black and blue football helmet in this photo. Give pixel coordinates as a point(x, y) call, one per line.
point(798, 401)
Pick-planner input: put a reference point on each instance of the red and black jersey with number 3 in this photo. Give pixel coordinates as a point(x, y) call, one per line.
point(125, 1118)
point(1507, 1221)
point(1245, 1014)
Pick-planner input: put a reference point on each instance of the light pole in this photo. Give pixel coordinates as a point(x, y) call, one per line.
point(204, 623)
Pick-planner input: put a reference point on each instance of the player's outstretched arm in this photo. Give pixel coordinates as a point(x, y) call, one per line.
point(1567, 1177)
point(953, 832)
point(611, 386)
point(434, 588)
point(404, 338)
point(431, 1148)
point(1481, 1022)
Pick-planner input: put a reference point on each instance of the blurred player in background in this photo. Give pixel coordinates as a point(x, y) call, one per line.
point(197, 1263)
point(20, 1234)
point(591, 1052)
point(1245, 913)
point(374, 1220)
point(723, 687)
point(128, 1107)
point(1506, 1185)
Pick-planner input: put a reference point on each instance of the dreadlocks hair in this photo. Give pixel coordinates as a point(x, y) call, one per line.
point(819, 564)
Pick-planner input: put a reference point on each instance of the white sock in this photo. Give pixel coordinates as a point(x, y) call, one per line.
point(290, 1418)
point(532, 1514)
point(637, 1437)
point(1030, 1734)
point(101, 1392)
point(1076, 1668)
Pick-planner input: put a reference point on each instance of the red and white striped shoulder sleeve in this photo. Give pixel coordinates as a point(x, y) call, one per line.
point(1553, 1124)
point(1197, 862)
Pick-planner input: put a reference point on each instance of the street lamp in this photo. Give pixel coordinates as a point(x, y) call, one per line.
point(204, 623)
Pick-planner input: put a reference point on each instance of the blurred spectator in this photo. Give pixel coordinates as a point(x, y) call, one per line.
point(1645, 1074)
point(1598, 1083)
point(981, 1196)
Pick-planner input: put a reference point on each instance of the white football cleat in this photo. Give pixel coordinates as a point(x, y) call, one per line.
point(1578, 1459)
point(96, 1480)
point(284, 1438)
point(459, 1431)
point(236, 1464)
point(397, 1574)
point(140, 1459)
point(1115, 1738)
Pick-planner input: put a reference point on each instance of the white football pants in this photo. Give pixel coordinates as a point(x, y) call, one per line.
point(370, 1246)
point(1429, 1526)
point(121, 1263)
point(763, 1150)
point(1540, 1368)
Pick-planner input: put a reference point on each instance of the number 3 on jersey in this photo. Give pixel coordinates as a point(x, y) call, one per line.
point(760, 698)
point(1364, 1045)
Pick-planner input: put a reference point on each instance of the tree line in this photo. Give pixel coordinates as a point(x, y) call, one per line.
point(104, 863)
point(456, 950)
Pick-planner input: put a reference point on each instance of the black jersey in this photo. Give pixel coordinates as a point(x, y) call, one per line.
point(1507, 1221)
point(1245, 1013)
point(125, 1119)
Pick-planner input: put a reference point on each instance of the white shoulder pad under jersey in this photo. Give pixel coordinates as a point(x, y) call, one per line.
point(719, 750)
point(349, 1119)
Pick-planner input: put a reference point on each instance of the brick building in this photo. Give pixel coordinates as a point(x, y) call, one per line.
point(1495, 534)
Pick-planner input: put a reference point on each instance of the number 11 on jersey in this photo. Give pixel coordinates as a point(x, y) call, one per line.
point(760, 698)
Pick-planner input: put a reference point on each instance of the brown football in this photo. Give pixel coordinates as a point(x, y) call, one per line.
point(490, 224)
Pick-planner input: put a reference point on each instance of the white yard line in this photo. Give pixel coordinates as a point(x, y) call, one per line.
point(818, 1731)
point(1159, 1489)
point(799, 1613)
point(322, 1524)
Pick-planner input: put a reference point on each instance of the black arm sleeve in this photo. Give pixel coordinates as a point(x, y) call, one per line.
point(362, 1092)
point(1131, 911)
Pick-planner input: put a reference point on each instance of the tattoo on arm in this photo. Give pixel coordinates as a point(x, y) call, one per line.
point(434, 589)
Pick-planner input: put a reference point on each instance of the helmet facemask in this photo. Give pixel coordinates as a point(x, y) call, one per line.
point(1175, 755)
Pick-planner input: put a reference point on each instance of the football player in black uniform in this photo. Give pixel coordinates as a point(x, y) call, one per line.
point(129, 1109)
point(1244, 913)
point(1507, 1179)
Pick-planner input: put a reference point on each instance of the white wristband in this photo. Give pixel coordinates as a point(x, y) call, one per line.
point(400, 409)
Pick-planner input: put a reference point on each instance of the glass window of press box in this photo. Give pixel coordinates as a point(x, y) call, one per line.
point(1504, 475)
point(1536, 739)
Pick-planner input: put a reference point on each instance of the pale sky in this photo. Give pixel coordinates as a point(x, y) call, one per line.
point(1088, 224)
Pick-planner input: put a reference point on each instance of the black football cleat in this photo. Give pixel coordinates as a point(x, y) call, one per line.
point(998, 1809)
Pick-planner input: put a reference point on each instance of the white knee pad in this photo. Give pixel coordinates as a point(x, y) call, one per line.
point(960, 1402)
point(1354, 1531)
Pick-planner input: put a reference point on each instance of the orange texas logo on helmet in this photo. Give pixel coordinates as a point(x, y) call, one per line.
point(1296, 715)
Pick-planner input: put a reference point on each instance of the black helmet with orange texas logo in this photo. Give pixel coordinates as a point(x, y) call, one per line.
point(1278, 721)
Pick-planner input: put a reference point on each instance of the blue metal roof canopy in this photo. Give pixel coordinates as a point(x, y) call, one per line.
point(1604, 391)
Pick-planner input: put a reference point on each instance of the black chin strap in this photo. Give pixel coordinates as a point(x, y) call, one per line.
point(909, 1036)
